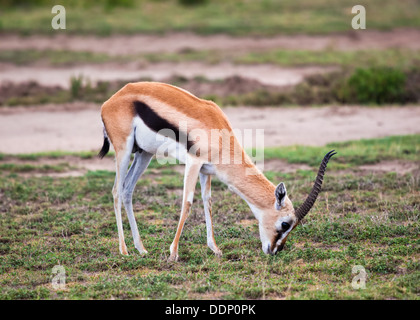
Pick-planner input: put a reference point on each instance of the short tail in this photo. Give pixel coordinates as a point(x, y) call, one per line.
point(105, 146)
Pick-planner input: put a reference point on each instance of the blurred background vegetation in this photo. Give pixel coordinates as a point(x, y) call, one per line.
point(370, 76)
point(242, 17)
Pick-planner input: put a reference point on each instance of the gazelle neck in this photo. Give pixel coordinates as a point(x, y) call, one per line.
point(250, 184)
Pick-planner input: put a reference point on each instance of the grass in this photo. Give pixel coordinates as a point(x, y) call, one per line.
point(395, 57)
point(244, 17)
point(51, 155)
point(352, 153)
point(366, 219)
point(13, 167)
point(400, 58)
point(54, 57)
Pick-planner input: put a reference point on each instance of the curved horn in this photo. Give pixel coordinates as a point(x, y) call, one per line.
point(303, 210)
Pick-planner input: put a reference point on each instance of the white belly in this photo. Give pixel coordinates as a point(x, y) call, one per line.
point(159, 144)
point(165, 148)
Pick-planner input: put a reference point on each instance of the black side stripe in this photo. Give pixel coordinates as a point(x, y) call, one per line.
point(157, 123)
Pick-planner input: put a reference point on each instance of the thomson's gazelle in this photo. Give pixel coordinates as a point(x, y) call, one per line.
point(140, 117)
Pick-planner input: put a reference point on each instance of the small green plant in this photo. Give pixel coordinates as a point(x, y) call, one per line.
point(76, 86)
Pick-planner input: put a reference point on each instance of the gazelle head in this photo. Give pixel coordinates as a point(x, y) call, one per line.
point(276, 225)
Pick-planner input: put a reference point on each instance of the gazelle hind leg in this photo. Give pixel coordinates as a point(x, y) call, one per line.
point(192, 168)
point(205, 182)
point(140, 163)
point(122, 160)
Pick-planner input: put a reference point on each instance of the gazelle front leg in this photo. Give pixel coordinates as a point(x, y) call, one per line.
point(205, 182)
point(192, 168)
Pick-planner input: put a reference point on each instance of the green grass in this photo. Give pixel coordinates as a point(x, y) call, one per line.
point(244, 17)
point(396, 57)
point(13, 167)
point(351, 153)
point(359, 219)
point(54, 57)
point(400, 58)
point(51, 155)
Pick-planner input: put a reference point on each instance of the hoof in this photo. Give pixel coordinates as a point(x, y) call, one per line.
point(142, 251)
point(173, 258)
point(123, 251)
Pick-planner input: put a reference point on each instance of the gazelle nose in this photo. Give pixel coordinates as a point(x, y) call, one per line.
point(269, 249)
point(280, 247)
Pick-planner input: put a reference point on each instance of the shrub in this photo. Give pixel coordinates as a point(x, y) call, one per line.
point(374, 85)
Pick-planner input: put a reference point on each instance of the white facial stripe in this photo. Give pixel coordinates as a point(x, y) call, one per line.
point(288, 219)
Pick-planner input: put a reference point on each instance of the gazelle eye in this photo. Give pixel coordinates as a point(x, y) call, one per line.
point(285, 226)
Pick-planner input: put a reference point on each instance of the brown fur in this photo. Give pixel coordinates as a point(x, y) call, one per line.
point(167, 101)
point(118, 112)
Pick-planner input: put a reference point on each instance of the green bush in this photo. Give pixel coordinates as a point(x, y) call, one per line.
point(374, 85)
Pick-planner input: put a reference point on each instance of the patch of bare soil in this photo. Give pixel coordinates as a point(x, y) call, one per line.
point(319, 126)
point(283, 166)
point(264, 73)
point(398, 166)
point(175, 42)
point(50, 127)
point(78, 127)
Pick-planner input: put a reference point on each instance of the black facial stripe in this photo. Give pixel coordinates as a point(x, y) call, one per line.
point(278, 236)
point(156, 123)
point(280, 233)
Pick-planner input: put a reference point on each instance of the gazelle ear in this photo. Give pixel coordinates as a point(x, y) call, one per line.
point(280, 194)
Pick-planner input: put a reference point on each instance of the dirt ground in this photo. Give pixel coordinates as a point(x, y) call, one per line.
point(77, 126)
point(175, 42)
point(264, 73)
